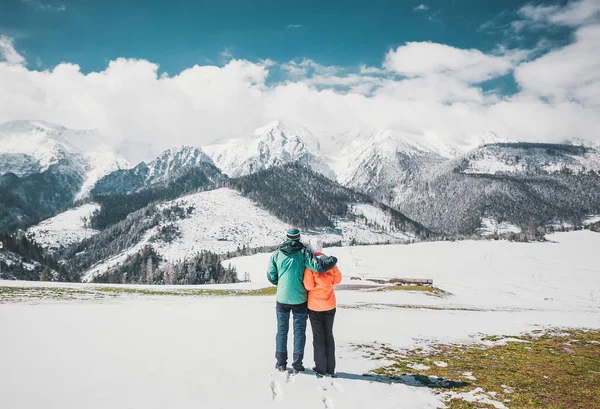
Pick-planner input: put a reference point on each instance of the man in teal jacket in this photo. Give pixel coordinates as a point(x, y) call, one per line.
point(286, 271)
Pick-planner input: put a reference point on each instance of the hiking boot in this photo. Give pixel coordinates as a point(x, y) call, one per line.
point(321, 373)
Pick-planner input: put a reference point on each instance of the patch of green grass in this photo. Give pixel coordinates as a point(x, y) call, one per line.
point(422, 288)
point(64, 293)
point(263, 291)
point(551, 371)
point(191, 292)
point(57, 293)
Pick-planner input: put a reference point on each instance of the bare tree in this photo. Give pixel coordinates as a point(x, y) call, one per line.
point(149, 271)
point(169, 274)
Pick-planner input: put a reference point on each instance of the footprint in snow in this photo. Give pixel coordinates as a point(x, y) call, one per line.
point(322, 384)
point(337, 386)
point(276, 391)
point(328, 402)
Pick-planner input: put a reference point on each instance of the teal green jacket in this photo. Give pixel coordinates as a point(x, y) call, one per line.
point(286, 270)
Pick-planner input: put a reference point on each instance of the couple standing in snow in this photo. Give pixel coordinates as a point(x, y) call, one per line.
point(304, 277)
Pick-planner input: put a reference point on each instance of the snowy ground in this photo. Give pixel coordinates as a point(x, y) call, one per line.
point(65, 228)
point(223, 220)
point(490, 226)
point(135, 351)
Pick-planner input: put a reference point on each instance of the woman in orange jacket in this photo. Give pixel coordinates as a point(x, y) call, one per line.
point(321, 311)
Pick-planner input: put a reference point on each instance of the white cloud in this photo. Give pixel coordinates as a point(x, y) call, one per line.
point(371, 70)
point(421, 59)
point(8, 52)
point(571, 73)
point(306, 67)
point(39, 6)
point(575, 13)
point(294, 26)
point(421, 88)
point(421, 7)
point(227, 54)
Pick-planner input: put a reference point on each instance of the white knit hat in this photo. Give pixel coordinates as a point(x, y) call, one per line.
point(315, 245)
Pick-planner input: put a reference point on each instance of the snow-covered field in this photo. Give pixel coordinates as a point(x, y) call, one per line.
point(140, 351)
point(560, 275)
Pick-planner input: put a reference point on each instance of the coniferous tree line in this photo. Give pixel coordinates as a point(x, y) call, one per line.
point(120, 236)
point(27, 200)
point(29, 261)
point(116, 205)
point(145, 267)
point(301, 197)
point(455, 202)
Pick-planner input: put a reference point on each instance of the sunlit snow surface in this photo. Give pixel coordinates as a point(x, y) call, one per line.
point(491, 226)
point(135, 351)
point(64, 229)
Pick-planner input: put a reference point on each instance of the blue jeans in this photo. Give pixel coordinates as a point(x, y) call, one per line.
point(300, 315)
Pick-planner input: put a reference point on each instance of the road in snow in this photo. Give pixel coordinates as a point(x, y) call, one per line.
point(190, 352)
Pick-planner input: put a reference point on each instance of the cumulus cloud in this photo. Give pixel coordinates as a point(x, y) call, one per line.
point(421, 7)
point(8, 52)
point(421, 59)
point(421, 88)
point(575, 13)
point(571, 73)
point(294, 26)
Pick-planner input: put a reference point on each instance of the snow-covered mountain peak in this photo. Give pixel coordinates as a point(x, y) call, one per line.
point(271, 145)
point(31, 146)
point(278, 132)
point(485, 137)
point(390, 142)
point(37, 142)
point(176, 158)
point(27, 125)
point(276, 125)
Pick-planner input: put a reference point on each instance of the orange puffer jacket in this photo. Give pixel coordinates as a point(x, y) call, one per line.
point(320, 288)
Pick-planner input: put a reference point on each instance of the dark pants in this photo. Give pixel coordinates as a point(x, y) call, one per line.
point(321, 323)
point(283, 325)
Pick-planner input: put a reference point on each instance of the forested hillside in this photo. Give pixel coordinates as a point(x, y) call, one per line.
point(115, 207)
point(301, 197)
point(28, 199)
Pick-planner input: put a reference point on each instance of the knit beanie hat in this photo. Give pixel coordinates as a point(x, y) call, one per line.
point(293, 234)
point(315, 245)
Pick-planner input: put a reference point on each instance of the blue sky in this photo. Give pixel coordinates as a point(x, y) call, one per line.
point(189, 72)
point(179, 34)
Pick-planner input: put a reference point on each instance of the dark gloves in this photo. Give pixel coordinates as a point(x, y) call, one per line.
point(327, 263)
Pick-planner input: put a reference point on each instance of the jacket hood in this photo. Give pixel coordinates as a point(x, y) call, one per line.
point(291, 246)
